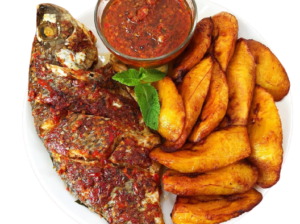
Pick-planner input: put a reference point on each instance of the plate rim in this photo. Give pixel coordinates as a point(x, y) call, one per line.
point(289, 96)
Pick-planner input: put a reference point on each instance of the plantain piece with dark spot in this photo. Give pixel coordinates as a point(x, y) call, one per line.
point(213, 209)
point(241, 75)
point(195, 51)
point(233, 179)
point(265, 135)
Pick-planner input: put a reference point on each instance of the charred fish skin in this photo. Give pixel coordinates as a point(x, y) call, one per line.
point(88, 137)
point(67, 92)
point(90, 125)
point(120, 195)
point(45, 118)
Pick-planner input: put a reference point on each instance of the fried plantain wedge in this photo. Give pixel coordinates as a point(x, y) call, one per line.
point(241, 82)
point(194, 89)
point(213, 209)
point(172, 111)
point(224, 36)
point(270, 74)
point(233, 179)
point(215, 105)
point(195, 51)
point(219, 149)
point(265, 134)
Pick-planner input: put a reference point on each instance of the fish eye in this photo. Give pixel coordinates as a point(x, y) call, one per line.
point(47, 31)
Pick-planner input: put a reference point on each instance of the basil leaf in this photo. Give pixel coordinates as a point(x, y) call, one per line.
point(129, 77)
point(142, 73)
point(146, 94)
point(152, 75)
point(142, 70)
point(148, 101)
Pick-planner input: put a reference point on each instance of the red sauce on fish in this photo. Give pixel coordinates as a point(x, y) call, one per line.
point(102, 181)
point(83, 96)
point(128, 152)
point(45, 85)
point(146, 28)
point(95, 142)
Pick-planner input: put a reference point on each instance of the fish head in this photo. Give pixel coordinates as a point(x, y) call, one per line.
point(49, 24)
point(69, 41)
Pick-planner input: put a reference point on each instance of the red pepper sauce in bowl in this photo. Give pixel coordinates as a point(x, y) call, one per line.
point(146, 28)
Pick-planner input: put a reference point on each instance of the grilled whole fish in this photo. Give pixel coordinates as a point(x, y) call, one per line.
point(90, 125)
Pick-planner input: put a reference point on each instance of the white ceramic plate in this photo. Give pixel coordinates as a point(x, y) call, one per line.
point(54, 186)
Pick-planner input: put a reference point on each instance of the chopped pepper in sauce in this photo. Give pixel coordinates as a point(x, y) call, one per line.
point(146, 28)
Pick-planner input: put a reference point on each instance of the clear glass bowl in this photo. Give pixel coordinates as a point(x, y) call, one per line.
point(143, 62)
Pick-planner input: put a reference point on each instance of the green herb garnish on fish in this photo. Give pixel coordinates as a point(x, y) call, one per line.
point(146, 94)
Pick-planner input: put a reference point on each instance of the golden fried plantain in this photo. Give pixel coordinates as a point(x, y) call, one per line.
point(172, 111)
point(213, 209)
point(219, 149)
point(270, 74)
point(224, 36)
point(233, 179)
point(215, 105)
point(195, 51)
point(265, 134)
point(241, 82)
point(193, 90)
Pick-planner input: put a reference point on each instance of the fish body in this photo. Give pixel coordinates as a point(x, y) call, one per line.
point(90, 124)
point(120, 195)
